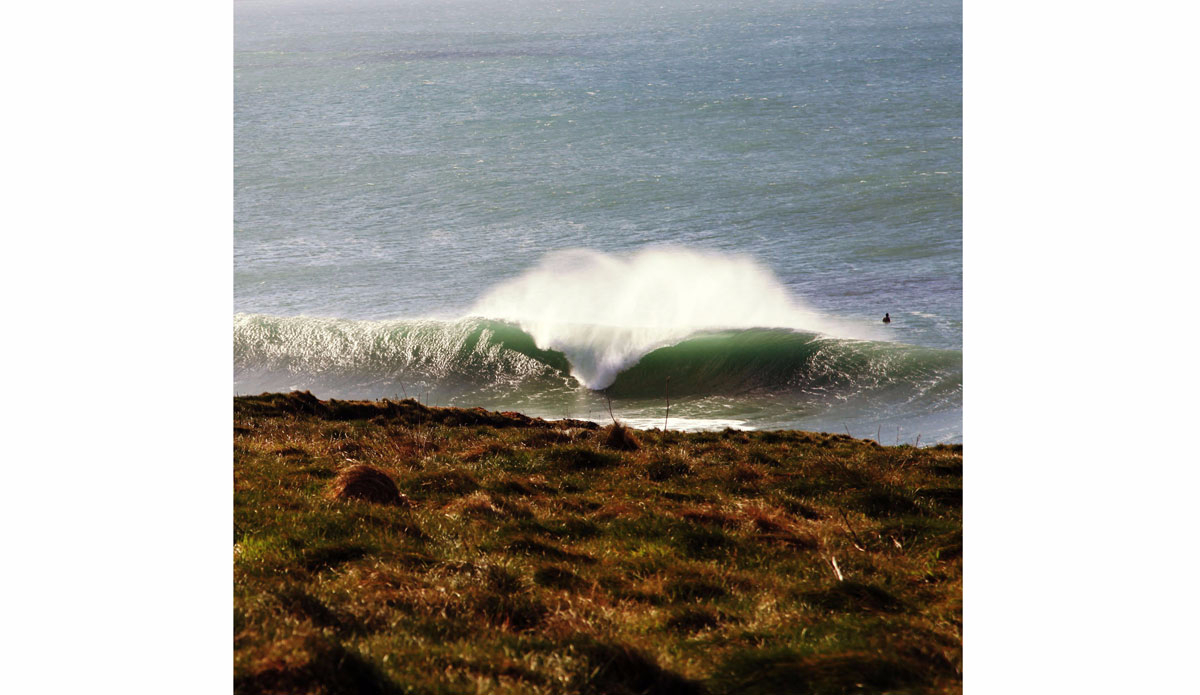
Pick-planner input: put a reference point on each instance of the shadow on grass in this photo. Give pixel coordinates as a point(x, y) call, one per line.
point(706, 543)
point(516, 612)
point(616, 669)
point(532, 546)
point(332, 670)
point(554, 577)
point(581, 458)
point(329, 556)
point(695, 618)
point(883, 502)
point(784, 671)
point(853, 597)
point(444, 482)
point(694, 590)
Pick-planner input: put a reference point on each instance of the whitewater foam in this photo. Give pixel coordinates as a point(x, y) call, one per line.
point(605, 312)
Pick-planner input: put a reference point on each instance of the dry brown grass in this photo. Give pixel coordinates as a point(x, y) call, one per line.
point(621, 438)
point(366, 484)
point(536, 560)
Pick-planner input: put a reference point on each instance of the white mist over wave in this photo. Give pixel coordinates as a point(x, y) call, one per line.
point(605, 312)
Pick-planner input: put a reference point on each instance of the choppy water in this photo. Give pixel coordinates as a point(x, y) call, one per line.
point(756, 184)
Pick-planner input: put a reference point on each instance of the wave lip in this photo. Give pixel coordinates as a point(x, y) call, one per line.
point(605, 312)
point(344, 354)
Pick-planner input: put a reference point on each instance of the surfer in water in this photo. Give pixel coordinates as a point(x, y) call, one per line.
point(887, 318)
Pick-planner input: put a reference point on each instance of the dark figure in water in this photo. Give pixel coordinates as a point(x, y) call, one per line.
point(887, 318)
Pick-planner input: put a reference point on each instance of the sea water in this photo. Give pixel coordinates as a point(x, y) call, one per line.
point(558, 207)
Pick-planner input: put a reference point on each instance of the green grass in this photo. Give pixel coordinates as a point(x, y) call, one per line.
point(539, 558)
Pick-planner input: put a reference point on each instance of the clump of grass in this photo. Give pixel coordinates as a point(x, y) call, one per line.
point(367, 484)
point(621, 438)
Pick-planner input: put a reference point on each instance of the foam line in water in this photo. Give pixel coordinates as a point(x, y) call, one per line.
point(605, 312)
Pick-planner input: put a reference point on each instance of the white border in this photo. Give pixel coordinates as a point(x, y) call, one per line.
point(118, 287)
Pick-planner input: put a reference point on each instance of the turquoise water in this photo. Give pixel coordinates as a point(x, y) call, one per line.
point(755, 183)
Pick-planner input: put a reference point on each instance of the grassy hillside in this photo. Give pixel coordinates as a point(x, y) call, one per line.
point(522, 556)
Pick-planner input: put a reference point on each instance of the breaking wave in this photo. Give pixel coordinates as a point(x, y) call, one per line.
point(724, 332)
point(605, 312)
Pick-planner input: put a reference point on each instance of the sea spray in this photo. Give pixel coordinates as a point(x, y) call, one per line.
point(605, 312)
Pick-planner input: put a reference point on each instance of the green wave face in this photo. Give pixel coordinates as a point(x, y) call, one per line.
point(758, 377)
point(383, 358)
point(779, 360)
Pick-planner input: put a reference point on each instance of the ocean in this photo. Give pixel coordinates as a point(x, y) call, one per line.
point(567, 208)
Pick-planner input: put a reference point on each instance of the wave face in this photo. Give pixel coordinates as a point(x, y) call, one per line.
point(385, 358)
point(777, 360)
point(604, 312)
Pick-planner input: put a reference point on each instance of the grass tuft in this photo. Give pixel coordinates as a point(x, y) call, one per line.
point(366, 484)
point(621, 438)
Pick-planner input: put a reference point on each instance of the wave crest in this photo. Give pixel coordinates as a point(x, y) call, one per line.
point(606, 312)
